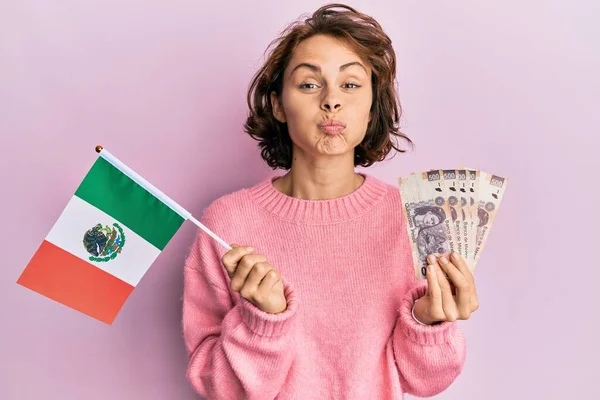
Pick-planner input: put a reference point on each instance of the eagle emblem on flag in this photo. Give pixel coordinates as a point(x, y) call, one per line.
point(104, 243)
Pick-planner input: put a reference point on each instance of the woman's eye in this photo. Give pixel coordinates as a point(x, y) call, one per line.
point(315, 86)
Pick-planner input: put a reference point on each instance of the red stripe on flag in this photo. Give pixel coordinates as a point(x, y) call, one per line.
point(61, 276)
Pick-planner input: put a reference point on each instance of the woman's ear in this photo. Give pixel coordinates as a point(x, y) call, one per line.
point(278, 111)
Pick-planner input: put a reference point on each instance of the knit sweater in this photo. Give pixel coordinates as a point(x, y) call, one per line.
point(348, 331)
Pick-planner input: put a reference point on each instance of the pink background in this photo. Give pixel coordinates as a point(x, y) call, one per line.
point(510, 87)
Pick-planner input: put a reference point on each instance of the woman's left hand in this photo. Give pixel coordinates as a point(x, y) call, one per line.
point(447, 300)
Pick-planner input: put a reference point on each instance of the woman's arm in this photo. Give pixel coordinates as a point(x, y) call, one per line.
point(428, 357)
point(236, 351)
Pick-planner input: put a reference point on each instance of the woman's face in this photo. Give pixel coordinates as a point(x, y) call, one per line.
point(325, 82)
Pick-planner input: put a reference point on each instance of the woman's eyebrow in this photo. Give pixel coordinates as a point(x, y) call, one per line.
point(316, 68)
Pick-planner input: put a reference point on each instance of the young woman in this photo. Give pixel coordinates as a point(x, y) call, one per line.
point(318, 299)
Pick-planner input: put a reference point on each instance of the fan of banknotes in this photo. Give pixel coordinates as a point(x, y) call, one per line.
point(450, 210)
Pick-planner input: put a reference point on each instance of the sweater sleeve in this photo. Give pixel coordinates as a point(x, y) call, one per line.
point(235, 351)
point(429, 357)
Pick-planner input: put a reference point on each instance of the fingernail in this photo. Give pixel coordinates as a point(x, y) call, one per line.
point(443, 260)
point(250, 248)
point(431, 258)
point(455, 256)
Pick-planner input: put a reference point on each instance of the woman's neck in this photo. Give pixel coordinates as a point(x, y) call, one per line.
point(319, 184)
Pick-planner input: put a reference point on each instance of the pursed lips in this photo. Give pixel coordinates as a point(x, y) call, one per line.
point(332, 126)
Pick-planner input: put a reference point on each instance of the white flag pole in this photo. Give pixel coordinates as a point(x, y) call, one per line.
point(156, 192)
point(205, 229)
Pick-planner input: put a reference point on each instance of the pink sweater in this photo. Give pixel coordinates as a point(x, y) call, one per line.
point(347, 333)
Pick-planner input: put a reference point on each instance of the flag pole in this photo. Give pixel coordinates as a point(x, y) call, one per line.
point(210, 233)
point(186, 215)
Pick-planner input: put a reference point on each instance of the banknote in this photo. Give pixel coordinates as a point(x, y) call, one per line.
point(457, 214)
point(424, 221)
point(448, 210)
point(466, 214)
point(491, 193)
point(473, 187)
point(432, 188)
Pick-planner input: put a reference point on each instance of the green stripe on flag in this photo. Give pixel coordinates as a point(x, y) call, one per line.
point(113, 192)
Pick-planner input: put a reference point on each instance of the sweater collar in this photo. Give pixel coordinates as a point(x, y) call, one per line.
point(318, 212)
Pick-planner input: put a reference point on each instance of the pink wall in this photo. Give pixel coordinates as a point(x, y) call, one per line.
point(511, 87)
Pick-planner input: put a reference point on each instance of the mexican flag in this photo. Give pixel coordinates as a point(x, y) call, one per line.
point(112, 229)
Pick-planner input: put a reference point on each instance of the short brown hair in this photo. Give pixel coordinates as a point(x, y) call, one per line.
point(363, 35)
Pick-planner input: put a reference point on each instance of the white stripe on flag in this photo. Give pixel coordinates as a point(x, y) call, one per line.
point(78, 217)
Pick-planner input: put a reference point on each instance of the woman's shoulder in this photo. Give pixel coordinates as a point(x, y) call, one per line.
point(385, 194)
point(232, 204)
point(388, 190)
point(384, 184)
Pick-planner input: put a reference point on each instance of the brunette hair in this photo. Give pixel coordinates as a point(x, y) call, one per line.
point(363, 35)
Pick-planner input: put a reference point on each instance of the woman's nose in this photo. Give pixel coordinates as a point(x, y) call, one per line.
point(331, 99)
point(328, 106)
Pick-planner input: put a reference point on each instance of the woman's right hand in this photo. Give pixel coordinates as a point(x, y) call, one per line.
point(255, 279)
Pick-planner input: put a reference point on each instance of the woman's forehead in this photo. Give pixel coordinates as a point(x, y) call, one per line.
point(321, 51)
